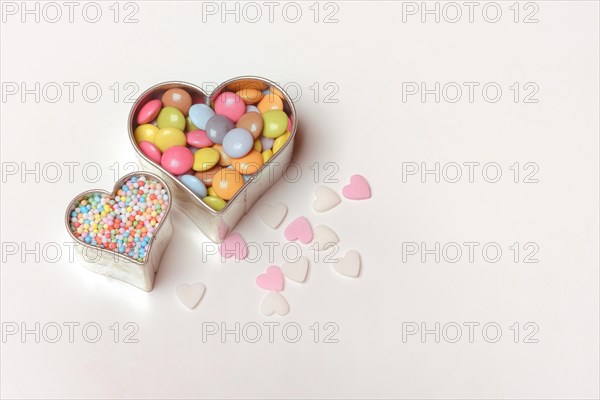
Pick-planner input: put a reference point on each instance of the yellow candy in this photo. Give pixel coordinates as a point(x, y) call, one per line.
point(280, 141)
point(205, 159)
point(211, 192)
point(189, 125)
point(169, 137)
point(216, 203)
point(267, 154)
point(145, 133)
point(257, 145)
point(170, 117)
point(275, 123)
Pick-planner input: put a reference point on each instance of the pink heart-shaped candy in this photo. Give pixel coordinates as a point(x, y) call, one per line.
point(271, 280)
point(299, 229)
point(358, 189)
point(234, 245)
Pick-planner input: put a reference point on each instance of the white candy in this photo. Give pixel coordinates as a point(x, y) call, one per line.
point(272, 215)
point(325, 199)
point(324, 237)
point(274, 303)
point(190, 295)
point(349, 265)
point(297, 270)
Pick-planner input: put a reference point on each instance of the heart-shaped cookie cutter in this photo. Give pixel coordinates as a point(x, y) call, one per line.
point(114, 265)
point(216, 225)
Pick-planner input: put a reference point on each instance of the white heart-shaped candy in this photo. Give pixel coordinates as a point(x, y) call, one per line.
point(190, 295)
point(324, 237)
point(274, 303)
point(272, 215)
point(325, 199)
point(349, 265)
point(296, 270)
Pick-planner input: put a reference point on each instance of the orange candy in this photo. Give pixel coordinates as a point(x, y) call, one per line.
point(227, 182)
point(207, 176)
point(177, 98)
point(250, 95)
point(270, 102)
point(276, 91)
point(224, 160)
point(249, 164)
point(252, 122)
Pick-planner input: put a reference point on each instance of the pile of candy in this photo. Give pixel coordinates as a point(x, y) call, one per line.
point(213, 150)
point(124, 223)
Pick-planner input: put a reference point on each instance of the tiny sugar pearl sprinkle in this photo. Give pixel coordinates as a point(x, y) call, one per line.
point(124, 224)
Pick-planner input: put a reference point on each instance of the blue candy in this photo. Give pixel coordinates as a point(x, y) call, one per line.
point(199, 114)
point(194, 184)
point(238, 142)
point(266, 143)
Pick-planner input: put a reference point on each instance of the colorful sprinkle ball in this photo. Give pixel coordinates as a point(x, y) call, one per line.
point(124, 223)
point(213, 150)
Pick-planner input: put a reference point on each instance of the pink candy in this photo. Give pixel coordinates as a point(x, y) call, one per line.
point(149, 111)
point(234, 245)
point(151, 151)
point(198, 138)
point(177, 160)
point(299, 229)
point(272, 279)
point(358, 189)
point(230, 105)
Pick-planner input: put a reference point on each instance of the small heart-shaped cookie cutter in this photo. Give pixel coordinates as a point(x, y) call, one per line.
point(216, 225)
point(114, 265)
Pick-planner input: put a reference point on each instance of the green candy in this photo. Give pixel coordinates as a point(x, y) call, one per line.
point(216, 203)
point(275, 123)
point(170, 117)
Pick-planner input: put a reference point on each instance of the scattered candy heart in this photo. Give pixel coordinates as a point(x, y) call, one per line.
point(272, 215)
point(296, 270)
point(190, 295)
point(325, 199)
point(234, 245)
point(325, 238)
point(299, 229)
point(349, 265)
point(358, 189)
point(274, 303)
point(271, 280)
